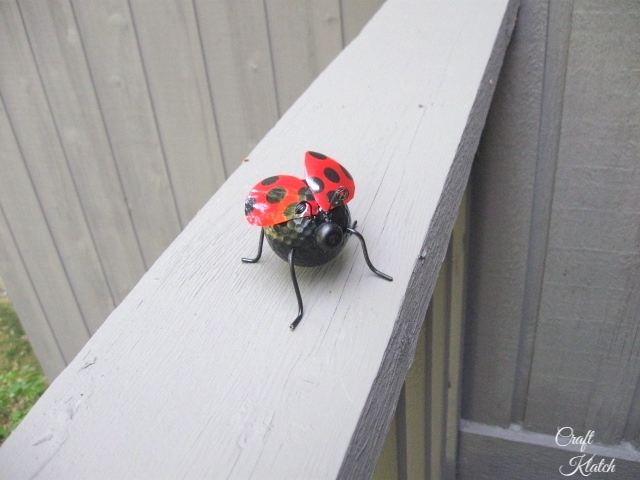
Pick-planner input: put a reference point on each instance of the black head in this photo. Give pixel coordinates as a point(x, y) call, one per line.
point(329, 235)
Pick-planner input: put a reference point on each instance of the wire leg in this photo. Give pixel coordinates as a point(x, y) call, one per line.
point(366, 255)
point(295, 286)
point(254, 260)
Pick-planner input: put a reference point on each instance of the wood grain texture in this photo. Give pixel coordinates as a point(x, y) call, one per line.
point(57, 48)
point(588, 326)
point(175, 70)
point(41, 167)
point(305, 36)
point(111, 46)
point(488, 452)
point(235, 40)
point(42, 271)
point(196, 374)
point(502, 184)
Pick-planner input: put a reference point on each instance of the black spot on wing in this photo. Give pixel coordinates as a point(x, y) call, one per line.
point(290, 211)
point(275, 195)
point(331, 174)
point(305, 193)
point(317, 155)
point(270, 180)
point(249, 205)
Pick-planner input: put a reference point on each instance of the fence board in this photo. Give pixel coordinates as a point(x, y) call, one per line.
point(43, 271)
point(196, 374)
point(174, 66)
point(45, 167)
point(305, 36)
point(457, 297)
point(499, 229)
point(236, 45)
point(590, 302)
point(416, 402)
point(56, 45)
point(387, 466)
point(25, 298)
point(109, 39)
point(555, 69)
point(439, 378)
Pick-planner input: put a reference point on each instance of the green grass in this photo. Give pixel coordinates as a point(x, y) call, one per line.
point(21, 378)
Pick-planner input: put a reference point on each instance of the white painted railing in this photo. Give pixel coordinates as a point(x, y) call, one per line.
point(196, 374)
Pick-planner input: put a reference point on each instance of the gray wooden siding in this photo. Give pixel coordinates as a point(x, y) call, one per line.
point(554, 289)
point(118, 121)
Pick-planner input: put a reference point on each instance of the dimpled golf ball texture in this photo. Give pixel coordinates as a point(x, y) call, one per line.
point(299, 233)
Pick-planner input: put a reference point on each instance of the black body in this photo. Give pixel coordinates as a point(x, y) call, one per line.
point(312, 241)
point(302, 234)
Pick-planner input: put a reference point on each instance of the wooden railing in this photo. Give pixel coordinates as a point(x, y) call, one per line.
point(422, 441)
point(197, 375)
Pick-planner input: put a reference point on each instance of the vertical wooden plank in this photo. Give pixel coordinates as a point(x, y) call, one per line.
point(458, 256)
point(500, 215)
point(43, 267)
point(354, 15)
point(47, 170)
point(109, 39)
point(236, 46)
point(429, 438)
point(174, 65)
point(555, 67)
point(387, 466)
point(588, 328)
point(401, 434)
point(440, 370)
point(415, 394)
point(305, 36)
point(26, 302)
point(61, 63)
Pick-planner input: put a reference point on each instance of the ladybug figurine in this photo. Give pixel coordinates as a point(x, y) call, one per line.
point(306, 222)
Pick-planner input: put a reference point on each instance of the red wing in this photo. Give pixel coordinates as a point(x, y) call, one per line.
point(332, 185)
point(274, 200)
